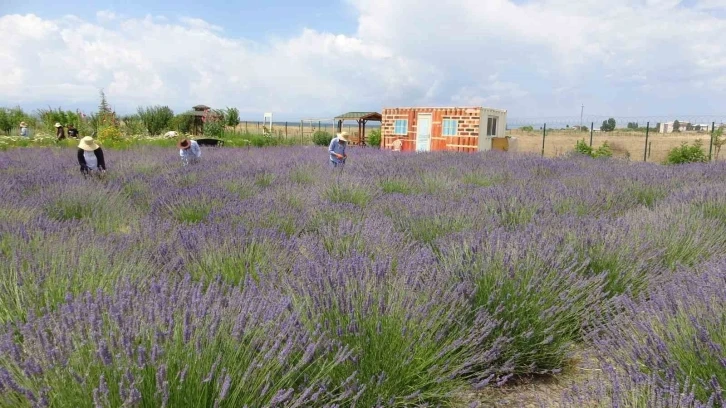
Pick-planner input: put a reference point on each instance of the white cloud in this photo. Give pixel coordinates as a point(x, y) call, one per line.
point(516, 56)
point(199, 23)
point(105, 16)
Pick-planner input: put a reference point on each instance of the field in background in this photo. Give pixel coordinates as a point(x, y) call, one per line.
point(623, 143)
point(557, 142)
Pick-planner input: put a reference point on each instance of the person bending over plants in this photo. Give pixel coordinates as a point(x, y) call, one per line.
point(90, 157)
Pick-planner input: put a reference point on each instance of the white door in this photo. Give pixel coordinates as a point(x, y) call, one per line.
point(492, 126)
point(423, 133)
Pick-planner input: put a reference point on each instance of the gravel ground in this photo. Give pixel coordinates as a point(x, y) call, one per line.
point(535, 392)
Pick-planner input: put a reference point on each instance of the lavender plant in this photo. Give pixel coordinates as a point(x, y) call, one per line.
point(170, 344)
point(674, 339)
point(412, 277)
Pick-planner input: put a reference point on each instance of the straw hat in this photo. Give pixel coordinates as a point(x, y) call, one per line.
point(184, 144)
point(88, 144)
point(57, 124)
point(343, 136)
point(23, 124)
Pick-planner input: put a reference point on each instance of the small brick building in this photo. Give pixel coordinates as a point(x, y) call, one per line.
point(464, 129)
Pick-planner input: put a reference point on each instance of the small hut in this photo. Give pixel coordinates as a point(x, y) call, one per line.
point(361, 118)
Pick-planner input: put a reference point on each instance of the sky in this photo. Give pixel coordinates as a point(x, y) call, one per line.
point(316, 59)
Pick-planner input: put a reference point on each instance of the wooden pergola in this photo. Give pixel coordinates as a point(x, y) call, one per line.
point(199, 112)
point(361, 118)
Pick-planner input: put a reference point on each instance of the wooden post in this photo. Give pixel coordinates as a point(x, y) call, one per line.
point(710, 145)
point(285, 129)
point(246, 131)
point(645, 152)
point(544, 135)
point(592, 127)
point(363, 140)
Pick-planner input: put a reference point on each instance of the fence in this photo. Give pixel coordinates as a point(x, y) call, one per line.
point(647, 139)
point(302, 130)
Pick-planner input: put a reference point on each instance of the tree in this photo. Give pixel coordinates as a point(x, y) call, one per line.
point(718, 141)
point(608, 125)
point(676, 126)
point(156, 119)
point(633, 125)
point(232, 116)
point(103, 108)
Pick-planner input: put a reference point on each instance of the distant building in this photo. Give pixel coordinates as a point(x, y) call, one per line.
point(669, 127)
point(684, 126)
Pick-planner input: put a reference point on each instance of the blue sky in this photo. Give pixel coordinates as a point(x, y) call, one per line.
point(250, 19)
point(535, 58)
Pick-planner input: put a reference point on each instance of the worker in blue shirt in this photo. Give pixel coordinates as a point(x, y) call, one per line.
point(189, 151)
point(337, 149)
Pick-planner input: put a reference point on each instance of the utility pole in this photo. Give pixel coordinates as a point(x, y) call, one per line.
point(582, 110)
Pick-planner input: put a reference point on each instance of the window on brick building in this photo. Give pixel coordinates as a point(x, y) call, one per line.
point(449, 127)
point(492, 126)
point(400, 127)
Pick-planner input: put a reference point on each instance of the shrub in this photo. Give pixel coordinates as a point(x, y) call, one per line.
point(583, 148)
point(170, 344)
point(183, 122)
point(401, 328)
point(232, 117)
point(322, 138)
point(351, 194)
point(110, 134)
point(214, 126)
point(41, 268)
point(374, 138)
point(156, 119)
point(687, 154)
point(539, 294)
point(676, 334)
point(10, 120)
point(603, 151)
point(527, 128)
point(132, 125)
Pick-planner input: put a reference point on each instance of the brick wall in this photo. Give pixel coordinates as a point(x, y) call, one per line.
point(466, 139)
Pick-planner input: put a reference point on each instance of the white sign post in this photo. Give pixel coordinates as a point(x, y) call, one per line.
point(268, 115)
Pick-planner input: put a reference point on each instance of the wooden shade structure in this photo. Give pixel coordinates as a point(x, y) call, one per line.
point(198, 113)
point(361, 118)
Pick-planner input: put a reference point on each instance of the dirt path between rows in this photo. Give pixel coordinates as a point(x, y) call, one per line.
point(536, 392)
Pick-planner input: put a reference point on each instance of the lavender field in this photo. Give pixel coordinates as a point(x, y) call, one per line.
point(262, 278)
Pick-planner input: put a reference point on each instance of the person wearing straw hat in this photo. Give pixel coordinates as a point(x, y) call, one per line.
point(60, 134)
point(90, 156)
point(24, 129)
point(337, 150)
point(189, 151)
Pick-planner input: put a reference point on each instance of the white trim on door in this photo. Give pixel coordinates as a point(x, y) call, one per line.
point(423, 133)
